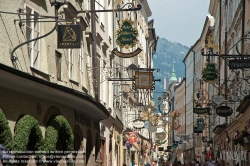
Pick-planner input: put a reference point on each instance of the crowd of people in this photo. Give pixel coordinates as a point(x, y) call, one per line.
point(194, 162)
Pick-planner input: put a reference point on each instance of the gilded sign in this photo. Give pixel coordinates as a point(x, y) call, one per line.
point(210, 73)
point(201, 110)
point(143, 80)
point(127, 55)
point(126, 36)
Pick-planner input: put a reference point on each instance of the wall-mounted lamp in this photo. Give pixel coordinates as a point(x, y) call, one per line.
point(57, 2)
point(131, 70)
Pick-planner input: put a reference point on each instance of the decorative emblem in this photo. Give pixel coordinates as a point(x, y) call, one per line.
point(69, 36)
point(144, 80)
point(126, 37)
point(210, 44)
point(160, 136)
point(210, 73)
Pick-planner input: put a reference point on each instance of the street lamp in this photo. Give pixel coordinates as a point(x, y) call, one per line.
point(57, 3)
point(131, 70)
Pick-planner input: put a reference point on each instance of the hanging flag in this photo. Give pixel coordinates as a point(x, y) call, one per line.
point(132, 137)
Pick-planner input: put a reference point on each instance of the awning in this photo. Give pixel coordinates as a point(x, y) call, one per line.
point(110, 121)
point(26, 83)
point(218, 129)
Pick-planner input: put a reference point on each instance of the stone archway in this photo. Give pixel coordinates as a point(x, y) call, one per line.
point(52, 110)
point(5, 132)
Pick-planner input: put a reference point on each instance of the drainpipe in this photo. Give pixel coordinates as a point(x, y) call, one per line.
point(185, 101)
point(243, 25)
point(225, 65)
point(93, 30)
point(193, 102)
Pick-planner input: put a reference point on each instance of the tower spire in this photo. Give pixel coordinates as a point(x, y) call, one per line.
point(173, 77)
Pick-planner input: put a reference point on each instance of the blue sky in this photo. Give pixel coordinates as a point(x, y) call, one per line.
point(179, 21)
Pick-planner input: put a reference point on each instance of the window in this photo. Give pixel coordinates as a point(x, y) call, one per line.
point(58, 65)
point(33, 31)
point(70, 63)
point(81, 64)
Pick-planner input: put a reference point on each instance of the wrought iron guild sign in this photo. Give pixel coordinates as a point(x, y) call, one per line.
point(239, 64)
point(69, 36)
point(224, 111)
point(201, 110)
point(143, 80)
point(126, 37)
point(210, 73)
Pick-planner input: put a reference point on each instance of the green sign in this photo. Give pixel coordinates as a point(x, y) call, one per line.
point(210, 73)
point(201, 110)
point(200, 124)
point(126, 36)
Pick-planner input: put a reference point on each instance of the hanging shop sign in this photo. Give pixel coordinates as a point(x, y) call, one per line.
point(200, 124)
point(210, 73)
point(127, 55)
point(239, 64)
point(138, 124)
point(126, 37)
point(149, 109)
point(218, 99)
point(143, 80)
point(132, 137)
point(160, 136)
point(201, 110)
point(69, 36)
point(224, 111)
point(152, 129)
point(196, 130)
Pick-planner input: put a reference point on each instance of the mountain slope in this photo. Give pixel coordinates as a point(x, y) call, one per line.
point(166, 53)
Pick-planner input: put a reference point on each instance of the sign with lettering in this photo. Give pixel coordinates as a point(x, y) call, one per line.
point(126, 36)
point(201, 110)
point(210, 73)
point(127, 55)
point(239, 64)
point(69, 36)
point(138, 124)
point(196, 130)
point(82, 119)
point(224, 111)
point(143, 80)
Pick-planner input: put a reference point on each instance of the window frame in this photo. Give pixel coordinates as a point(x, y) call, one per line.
point(34, 46)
